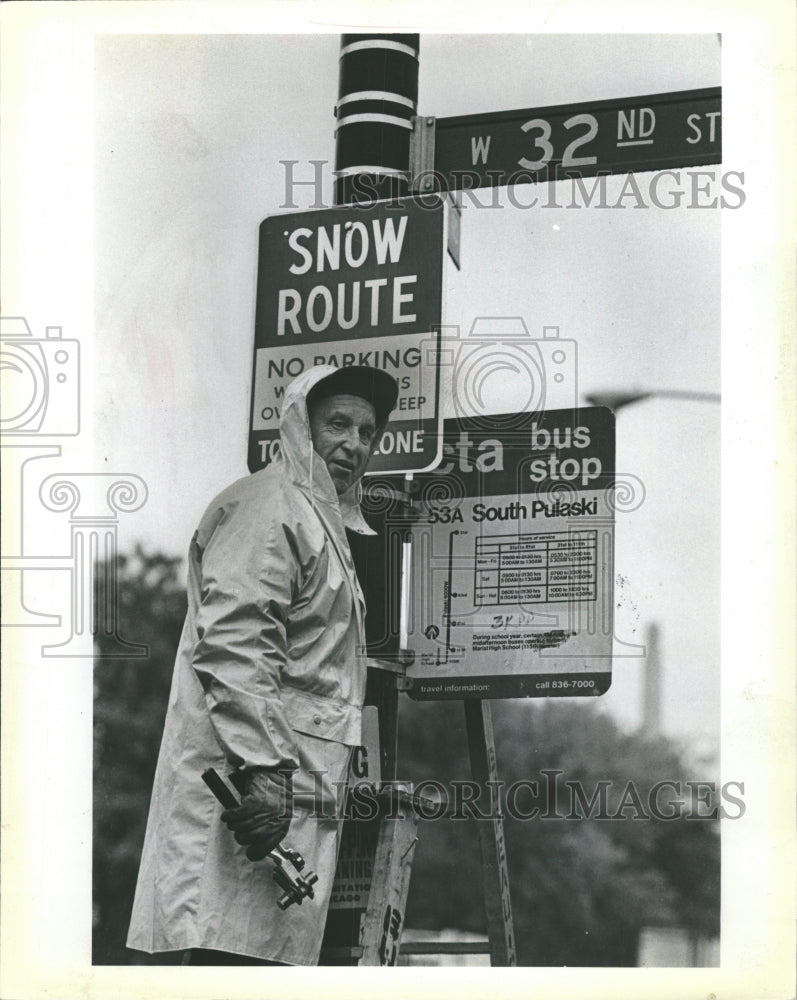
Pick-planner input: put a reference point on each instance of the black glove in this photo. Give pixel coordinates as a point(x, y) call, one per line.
point(264, 815)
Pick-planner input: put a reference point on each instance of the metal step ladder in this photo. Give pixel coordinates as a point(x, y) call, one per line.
point(369, 896)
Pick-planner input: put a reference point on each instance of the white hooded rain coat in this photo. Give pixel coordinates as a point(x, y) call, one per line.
point(267, 674)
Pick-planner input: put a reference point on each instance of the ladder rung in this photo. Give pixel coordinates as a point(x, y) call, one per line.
point(417, 948)
point(352, 951)
point(444, 948)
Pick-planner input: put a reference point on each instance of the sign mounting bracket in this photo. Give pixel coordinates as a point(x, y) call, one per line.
point(422, 143)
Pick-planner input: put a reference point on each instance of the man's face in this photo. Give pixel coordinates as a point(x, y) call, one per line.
point(343, 429)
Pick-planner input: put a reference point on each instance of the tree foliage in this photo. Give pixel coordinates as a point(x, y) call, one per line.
point(582, 889)
point(130, 697)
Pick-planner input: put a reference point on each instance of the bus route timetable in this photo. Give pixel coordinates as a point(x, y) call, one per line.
point(536, 569)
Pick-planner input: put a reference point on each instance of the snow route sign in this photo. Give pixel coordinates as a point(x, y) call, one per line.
point(356, 285)
point(513, 559)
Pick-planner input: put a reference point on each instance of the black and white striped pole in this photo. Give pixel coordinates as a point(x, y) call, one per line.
point(377, 100)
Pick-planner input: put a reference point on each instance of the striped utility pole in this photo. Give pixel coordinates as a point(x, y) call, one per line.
point(377, 99)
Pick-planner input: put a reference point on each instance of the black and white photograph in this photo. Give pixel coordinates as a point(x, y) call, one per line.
point(398, 530)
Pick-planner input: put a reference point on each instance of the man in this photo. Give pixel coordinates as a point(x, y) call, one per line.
point(268, 681)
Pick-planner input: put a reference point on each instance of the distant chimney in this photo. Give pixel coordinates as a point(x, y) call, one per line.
point(651, 697)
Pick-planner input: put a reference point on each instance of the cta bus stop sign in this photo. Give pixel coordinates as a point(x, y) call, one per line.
point(512, 559)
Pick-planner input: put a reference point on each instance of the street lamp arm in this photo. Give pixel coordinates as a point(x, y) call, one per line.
point(705, 397)
point(615, 400)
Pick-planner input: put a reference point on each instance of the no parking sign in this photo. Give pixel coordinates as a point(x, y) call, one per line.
point(358, 285)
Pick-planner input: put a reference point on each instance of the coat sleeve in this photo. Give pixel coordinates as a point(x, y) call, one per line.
point(246, 575)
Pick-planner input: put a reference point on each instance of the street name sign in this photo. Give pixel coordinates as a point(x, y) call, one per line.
point(356, 285)
point(512, 559)
point(653, 132)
